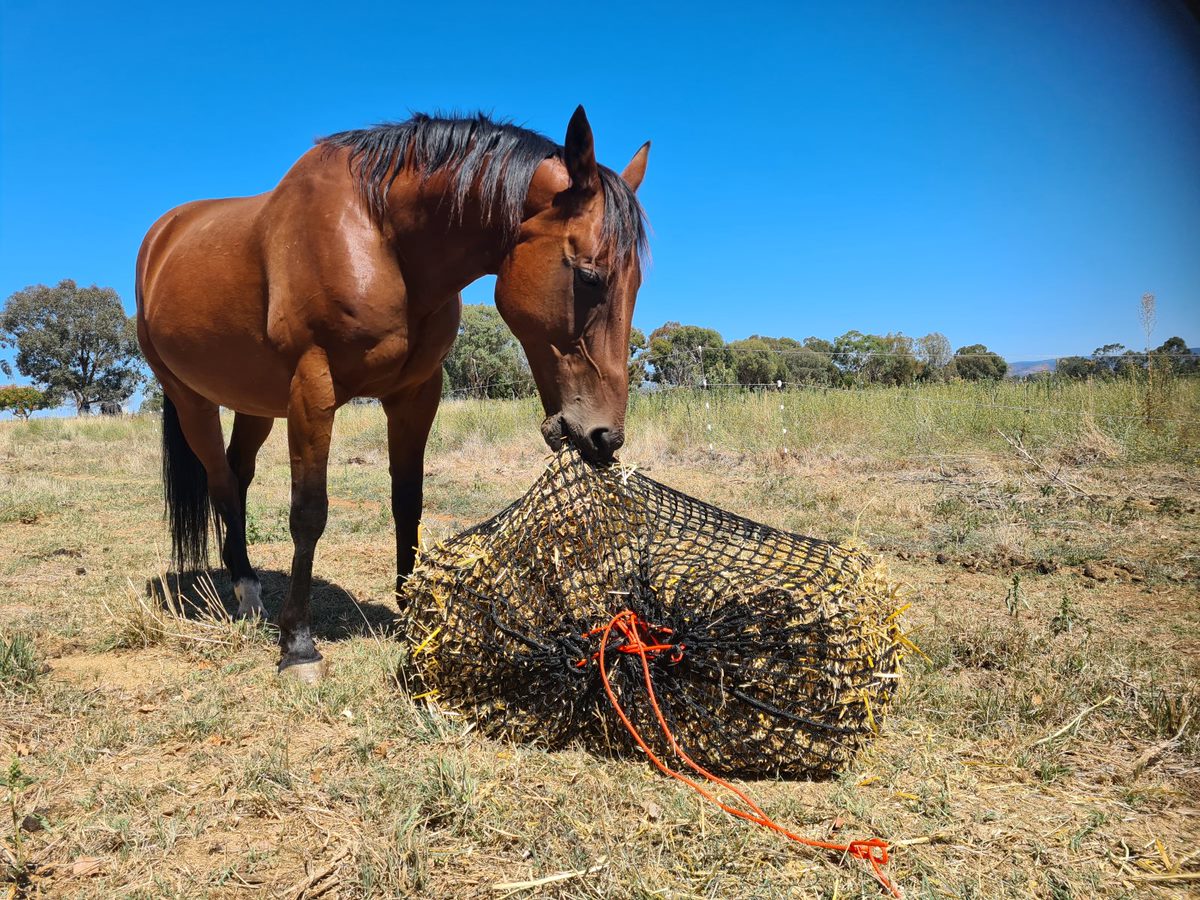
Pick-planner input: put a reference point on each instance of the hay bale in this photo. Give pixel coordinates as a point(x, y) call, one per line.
point(790, 645)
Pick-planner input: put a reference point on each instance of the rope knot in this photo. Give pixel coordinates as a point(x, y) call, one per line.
point(641, 638)
point(874, 851)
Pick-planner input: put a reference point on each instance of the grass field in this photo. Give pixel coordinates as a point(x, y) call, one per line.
point(1047, 744)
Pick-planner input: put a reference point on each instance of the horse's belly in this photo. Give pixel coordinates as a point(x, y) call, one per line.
point(228, 366)
point(231, 370)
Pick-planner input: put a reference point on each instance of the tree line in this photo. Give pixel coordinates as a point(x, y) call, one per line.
point(487, 361)
point(77, 346)
point(678, 354)
point(1117, 361)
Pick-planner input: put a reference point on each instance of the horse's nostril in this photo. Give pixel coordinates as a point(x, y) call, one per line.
point(605, 441)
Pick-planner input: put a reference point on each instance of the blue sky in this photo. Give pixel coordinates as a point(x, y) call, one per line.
point(1016, 174)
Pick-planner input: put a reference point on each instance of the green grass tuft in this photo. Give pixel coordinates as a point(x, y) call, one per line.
point(20, 667)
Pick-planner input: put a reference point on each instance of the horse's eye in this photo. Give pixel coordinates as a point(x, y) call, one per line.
point(589, 277)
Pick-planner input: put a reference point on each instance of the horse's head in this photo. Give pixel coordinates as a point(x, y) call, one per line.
point(567, 289)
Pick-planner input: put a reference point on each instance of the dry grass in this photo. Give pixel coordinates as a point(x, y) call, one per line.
point(1048, 746)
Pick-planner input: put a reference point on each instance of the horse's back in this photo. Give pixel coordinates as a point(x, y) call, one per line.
point(232, 293)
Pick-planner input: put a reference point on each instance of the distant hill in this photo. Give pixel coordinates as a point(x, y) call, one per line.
point(1030, 366)
point(1021, 368)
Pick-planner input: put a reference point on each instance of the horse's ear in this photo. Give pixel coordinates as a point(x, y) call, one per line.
point(636, 170)
point(579, 154)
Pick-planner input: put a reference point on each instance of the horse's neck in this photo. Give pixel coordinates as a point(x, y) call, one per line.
point(440, 249)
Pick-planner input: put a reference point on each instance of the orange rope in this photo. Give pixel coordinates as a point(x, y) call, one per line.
point(632, 626)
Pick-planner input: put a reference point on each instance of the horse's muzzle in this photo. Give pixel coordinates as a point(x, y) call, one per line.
point(596, 445)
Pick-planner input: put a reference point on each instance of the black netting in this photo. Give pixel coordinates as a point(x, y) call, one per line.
point(791, 645)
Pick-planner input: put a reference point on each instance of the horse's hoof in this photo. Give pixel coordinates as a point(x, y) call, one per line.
point(305, 672)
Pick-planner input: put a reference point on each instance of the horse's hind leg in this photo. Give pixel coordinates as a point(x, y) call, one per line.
point(249, 434)
point(200, 422)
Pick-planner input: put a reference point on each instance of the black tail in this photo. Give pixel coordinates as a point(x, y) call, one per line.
point(185, 489)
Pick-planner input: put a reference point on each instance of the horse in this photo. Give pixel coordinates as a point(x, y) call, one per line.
point(343, 282)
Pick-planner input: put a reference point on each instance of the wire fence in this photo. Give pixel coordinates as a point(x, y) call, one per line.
point(663, 375)
point(688, 408)
point(849, 355)
point(703, 366)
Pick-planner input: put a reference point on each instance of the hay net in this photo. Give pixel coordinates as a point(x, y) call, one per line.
point(779, 652)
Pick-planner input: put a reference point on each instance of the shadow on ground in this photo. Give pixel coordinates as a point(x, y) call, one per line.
point(336, 613)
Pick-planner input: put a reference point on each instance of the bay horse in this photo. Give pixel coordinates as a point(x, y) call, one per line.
point(342, 282)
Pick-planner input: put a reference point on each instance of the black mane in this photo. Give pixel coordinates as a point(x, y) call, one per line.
point(500, 156)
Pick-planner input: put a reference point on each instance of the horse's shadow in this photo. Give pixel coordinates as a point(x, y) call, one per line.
point(336, 613)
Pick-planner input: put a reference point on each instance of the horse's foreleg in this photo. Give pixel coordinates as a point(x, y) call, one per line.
point(249, 433)
point(409, 418)
point(311, 406)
